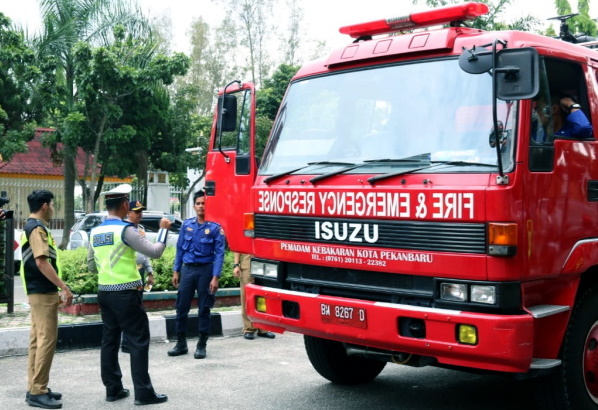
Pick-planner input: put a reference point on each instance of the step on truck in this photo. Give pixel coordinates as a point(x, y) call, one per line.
point(417, 203)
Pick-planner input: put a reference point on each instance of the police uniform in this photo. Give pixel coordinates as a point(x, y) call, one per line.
point(144, 265)
point(44, 301)
point(112, 252)
point(199, 257)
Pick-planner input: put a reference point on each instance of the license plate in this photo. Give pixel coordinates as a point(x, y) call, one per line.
point(343, 315)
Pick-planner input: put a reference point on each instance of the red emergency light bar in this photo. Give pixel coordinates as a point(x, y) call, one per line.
point(444, 15)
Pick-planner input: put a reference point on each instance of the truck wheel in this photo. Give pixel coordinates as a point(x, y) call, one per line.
point(331, 361)
point(575, 384)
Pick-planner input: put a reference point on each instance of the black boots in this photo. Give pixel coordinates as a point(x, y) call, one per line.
point(200, 352)
point(180, 347)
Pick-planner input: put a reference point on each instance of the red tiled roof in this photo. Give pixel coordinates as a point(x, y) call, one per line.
point(38, 160)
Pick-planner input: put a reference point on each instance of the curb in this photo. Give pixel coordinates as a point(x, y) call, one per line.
point(15, 341)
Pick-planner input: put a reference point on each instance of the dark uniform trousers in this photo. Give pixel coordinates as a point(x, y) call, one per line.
point(122, 311)
point(194, 277)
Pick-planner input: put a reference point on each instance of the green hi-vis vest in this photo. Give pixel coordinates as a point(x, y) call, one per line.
point(116, 261)
point(34, 281)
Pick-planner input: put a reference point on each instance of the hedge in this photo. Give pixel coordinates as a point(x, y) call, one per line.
point(81, 281)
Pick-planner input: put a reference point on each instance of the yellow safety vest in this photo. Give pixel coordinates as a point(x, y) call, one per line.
point(116, 261)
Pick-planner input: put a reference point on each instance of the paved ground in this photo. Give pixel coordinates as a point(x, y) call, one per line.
point(262, 374)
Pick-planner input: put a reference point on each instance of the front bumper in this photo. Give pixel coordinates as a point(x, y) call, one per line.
point(505, 342)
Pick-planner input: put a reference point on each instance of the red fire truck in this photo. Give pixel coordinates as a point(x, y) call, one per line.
point(415, 205)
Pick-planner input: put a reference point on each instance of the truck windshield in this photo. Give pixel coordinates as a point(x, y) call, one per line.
point(376, 115)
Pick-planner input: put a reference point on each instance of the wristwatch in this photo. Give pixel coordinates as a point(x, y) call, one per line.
point(572, 106)
point(236, 265)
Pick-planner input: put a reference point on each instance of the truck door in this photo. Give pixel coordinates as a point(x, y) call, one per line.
point(231, 163)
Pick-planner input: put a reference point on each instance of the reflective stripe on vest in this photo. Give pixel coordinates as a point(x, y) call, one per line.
point(116, 262)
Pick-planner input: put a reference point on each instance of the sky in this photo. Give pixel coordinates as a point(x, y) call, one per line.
point(322, 18)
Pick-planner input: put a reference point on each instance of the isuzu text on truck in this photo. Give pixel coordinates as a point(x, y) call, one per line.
point(413, 205)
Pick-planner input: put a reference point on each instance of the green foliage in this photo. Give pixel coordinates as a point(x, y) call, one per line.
point(64, 24)
point(583, 24)
point(227, 279)
point(81, 281)
point(163, 270)
point(122, 95)
point(19, 110)
point(268, 101)
point(270, 96)
point(75, 272)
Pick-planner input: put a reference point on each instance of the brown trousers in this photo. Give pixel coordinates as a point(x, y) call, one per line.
point(244, 279)
point(42, 340)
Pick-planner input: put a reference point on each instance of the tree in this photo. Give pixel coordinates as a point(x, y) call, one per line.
point(18, 74)
point(112, 80)
point(254, 30)
point(292, 39)
point(268, 101)
point(194, 130)
point(66, 22)
point(581, 24)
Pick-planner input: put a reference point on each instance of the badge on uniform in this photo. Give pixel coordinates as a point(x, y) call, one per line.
point(222, 231)
point(207, 231)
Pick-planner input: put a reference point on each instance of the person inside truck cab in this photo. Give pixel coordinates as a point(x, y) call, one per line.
point(563, 117)
point(575, 123)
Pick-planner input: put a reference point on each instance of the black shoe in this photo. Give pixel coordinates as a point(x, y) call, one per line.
point(44, 401)
point(125, 349)
point(54, 394)
point(249, 336)
point(120, 395)
point(155, 399)
point(268, 335)
point(200, 353)
point(178, 350)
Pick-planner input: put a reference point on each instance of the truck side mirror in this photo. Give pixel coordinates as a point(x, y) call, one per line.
point(228, 112)
point(517, 73)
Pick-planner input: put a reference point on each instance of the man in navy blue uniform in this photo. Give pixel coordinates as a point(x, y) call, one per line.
point(197, 266)
point(575, 122)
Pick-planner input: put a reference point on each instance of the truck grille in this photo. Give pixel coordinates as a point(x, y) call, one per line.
point(414, 235)
point(359, 284)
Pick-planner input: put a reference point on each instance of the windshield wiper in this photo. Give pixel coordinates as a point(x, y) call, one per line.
point(433, 164)
point(414, 158)
point(309, 164)
point(333, 173)
point(411, 159)
point(465, 163)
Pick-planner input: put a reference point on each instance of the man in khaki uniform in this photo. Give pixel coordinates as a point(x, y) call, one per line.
point(40, 272)
point(242, 270)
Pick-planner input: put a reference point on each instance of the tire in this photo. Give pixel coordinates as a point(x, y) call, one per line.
point(331, 361)
point(574, 386)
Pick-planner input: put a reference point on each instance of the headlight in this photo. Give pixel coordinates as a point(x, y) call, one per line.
point(483, 294)
point(265, 269)
point(455, 292)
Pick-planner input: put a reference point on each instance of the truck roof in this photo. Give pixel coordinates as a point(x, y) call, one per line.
point(434, 43)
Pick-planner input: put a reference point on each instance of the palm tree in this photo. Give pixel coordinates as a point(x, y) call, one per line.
point(66, 22)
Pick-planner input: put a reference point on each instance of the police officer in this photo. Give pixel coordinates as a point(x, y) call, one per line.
point(199, 258)
point(112, 254)
point(144, 264)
